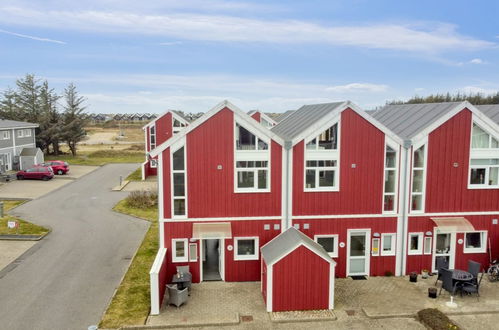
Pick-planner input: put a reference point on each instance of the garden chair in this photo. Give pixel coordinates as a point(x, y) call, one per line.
point(447, 282)
point(177, 297)
point(473, 287)
point(474, 269)
point(442, 263)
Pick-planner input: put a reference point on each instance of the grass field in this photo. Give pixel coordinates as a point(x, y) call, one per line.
point(25, 228)
point(131, 303)
point(135, 175)
point(102, 154)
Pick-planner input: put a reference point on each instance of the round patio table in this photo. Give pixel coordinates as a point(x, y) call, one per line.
point(461, 275)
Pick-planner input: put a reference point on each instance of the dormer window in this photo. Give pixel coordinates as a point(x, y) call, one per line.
point(177, 126)
point(322, 161)
point(484, 160)
point(252, 162)
point(482, 140)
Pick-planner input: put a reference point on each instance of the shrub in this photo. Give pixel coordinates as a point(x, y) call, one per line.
point(142, 199)
point(436, 320)
point(388, 273)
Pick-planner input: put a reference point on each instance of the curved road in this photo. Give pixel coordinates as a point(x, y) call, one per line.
point(67, 279)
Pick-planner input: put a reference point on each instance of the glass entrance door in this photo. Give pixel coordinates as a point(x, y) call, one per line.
point(444, 247)
point(358, 252)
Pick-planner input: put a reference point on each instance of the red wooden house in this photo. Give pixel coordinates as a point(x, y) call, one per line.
point(158, 131)
point(451, 195)
point(262, 118)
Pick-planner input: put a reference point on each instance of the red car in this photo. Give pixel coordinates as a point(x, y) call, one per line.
point(44, 173)
point(58, 166)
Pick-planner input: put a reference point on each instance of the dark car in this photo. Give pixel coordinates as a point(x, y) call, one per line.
point(58, 166)
point(44, 173)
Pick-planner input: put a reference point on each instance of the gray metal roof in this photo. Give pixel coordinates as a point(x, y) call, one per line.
point(282, 243)
point(6, 123)
point(491, 111)
point(283, 116)
point(407, 120)
point(29, 151)
point(181, 115)
point(301, 119)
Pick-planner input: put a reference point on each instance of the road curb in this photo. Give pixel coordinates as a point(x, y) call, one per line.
point(20, 237)
point(235, 321)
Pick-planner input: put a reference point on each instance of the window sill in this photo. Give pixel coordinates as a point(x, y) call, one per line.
point(388, 254)
point(245, 258)
point(180, 260)
point(482, 187)
point(252, 191)
point(321, 189)
point(415, 253)
point(469, 251)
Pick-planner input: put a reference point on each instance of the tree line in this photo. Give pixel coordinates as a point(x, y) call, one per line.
point(61, 117)
point(473, 98)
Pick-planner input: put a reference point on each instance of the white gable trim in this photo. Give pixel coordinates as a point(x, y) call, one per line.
point(174, 115)
point(296, 246)
point(267, 118)
point(238, 115)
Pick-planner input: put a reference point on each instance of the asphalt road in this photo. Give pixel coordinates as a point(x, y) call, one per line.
point(66, 280)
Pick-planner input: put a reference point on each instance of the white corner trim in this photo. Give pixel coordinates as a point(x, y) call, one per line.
point(332, 270)
point(154, 280)
point(269, 289)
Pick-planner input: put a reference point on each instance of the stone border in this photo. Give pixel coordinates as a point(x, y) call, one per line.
point(413, 315)
point(235, 321)
point(120, 188)
point(301, 316)
point(20, 237)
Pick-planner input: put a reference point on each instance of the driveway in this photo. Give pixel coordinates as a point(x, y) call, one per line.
point(67, 279)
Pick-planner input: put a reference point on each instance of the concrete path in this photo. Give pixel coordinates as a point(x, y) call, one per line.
point(11, 250)
point(67, 280)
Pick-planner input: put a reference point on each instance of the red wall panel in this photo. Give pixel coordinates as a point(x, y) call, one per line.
point(361, 188)
point(164, 128)
point(379, 265)
point(210, 190)
point(446, 185)
point(256, 116)
point(300, 281)
point(163, 279)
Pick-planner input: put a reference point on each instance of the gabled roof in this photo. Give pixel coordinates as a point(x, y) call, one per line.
point(176, 114)
point(263, 115)
point(246, 120)
point(6, 123)
point(408, 120)
point(491, 111)
point(305, 121)
point(288, 241)
point(181, 115)
point(284, 115)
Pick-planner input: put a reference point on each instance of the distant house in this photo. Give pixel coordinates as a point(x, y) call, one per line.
point(14, 137)
point(30, 157)
point(262, 118)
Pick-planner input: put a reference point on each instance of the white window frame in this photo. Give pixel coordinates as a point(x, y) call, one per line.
point(185, 258)
point(323, 155)
point(172, 172)
point(27, 132)
point(255, 256)
point(151, 135)
point(333, 254)
point(428, 245)
point(483, 248)
point(482, 153)
point(154, 163)
point(419, 251)
point(421, 193)
point(5, 135)
point(20, 133)
point(375, 247)
point(193, 257)
point(252, 155)
point(391, 252)
point(395, 147)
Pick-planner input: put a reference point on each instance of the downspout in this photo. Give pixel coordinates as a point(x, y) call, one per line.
point(405, 203)
point(288, 181)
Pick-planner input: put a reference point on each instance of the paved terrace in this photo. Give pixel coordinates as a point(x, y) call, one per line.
point(375, 303)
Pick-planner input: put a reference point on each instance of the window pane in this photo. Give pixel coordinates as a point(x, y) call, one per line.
point(178, 159)
point(178, 184)
point(473, 240)
point(326, 178)
point(245, 179)
point(311, 163)
point(417, 203)
point(242, 164)
point(357, 245)
point(414, 243)
point(427, 245)
point(327, 139)
point(310, 179)
point(179, 207)
point(387, 243)
point(443, 243)
point(327, 243)
point(419, 157)
point(176, 123)
point(479, 139)
point(262, 179)
point(180, 249)
point(477, 176)
point(245, 140)
point(389, 204)
point(493, 176)
point(330, 163)
point(246, 247)
point(390, 157)
point(262, 145)
point(390, 181)
point(312, 145)
point(417, 181)
point(494, 143)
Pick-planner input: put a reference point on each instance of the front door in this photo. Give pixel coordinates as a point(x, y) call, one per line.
point(444, 246)
point(212, 261)
point(358, 252)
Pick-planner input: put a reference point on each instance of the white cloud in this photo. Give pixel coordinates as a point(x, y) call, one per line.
point(478, 90)
point(426, 38)
point(357, 88)
point(32, 37)
point(477, 61)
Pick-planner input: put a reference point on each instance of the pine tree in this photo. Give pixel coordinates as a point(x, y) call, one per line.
point(73, 118)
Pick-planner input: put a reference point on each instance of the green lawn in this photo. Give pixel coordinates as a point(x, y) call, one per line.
point(25, 228)
point(101, 157)
point(131, 303)
point(135, 175)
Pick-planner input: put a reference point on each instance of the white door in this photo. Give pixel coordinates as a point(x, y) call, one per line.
point(221, 258)
point(358, 251)
point(444, 245)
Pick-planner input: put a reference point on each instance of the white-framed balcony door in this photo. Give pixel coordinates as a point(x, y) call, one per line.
point(444, 245)
point(358, 252)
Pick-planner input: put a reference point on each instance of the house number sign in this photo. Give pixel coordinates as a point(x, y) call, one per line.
point(460, 241)
point(229, 247)
point(342, 245)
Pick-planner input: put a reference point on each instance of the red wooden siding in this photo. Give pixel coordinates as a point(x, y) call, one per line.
point(264, 281)
point(148, 170)
point(379, 265)
point(480, 222)
point(300, 281)
point(361, 188)
point(164, 128)
point(166, 194)
point(247, 270)
point(163, 279)
point(180, 230)
point(210, 190)
point(256, 116)
point(446, 185)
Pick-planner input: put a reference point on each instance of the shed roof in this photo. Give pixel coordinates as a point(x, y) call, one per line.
point(286, 242)
point(491, 111)
point(29, 151)
point(6, 123)
point(407, 120)
point(303, 118)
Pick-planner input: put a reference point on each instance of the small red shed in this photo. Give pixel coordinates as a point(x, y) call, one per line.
point(297, 273)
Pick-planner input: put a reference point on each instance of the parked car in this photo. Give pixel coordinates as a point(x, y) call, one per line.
point(58, 166)
point(44, 173)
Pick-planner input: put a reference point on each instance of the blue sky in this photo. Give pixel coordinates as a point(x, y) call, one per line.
point(131, 56)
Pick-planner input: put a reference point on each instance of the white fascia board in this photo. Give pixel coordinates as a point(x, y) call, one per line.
point(294, 247)
point(155, 119)
point(180, 119)
point(267, 118)
point(238, 114)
